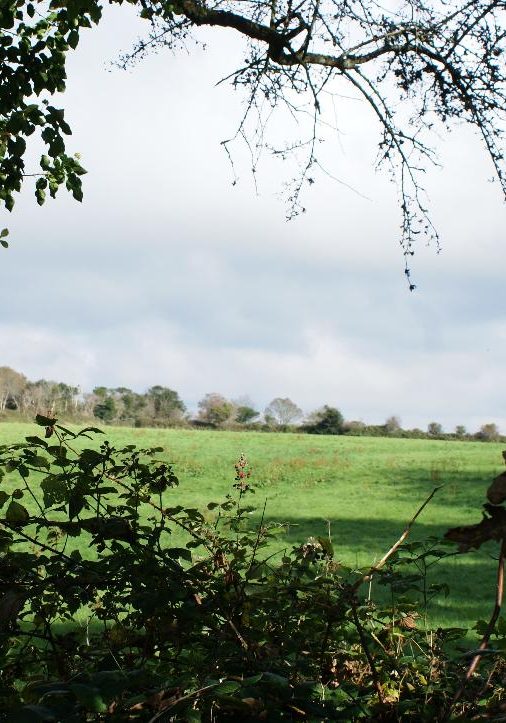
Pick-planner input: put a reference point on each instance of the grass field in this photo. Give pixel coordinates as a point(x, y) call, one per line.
point(361, 490)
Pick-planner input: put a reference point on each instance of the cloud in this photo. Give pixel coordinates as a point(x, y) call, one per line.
point(168, 274)
point(452, 387)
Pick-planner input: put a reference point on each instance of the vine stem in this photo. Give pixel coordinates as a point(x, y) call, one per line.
point(365, 648)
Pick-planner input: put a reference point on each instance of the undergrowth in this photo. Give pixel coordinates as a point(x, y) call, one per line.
point(131, 627)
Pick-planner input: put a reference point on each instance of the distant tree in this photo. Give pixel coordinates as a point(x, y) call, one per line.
point(489, 432)
point(327, 420)
point(460, 431)
point(130, 403)
point(245, 414)
point(434, 429)
point(354, 427)
point(166, 402)
point(105, 409)
point(215, 409)
point(282, 411)
point(12, 385)
point(392, 425)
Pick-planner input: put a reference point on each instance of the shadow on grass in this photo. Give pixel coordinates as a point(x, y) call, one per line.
point(457, 485)
point(471, 577)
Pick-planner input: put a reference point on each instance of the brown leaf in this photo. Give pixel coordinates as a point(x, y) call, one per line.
point(496, 493)
point(408, 622)
point(492, 527)
point(11, 603)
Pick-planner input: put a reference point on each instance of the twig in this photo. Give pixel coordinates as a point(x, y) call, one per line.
point(194, 693)
point(239, 636)
point(374, 568)
point(257, 543)
point(37, 543)
point(365, 648)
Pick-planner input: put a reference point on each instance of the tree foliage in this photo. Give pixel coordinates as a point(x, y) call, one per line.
point(327, 420)
point(215, 410)
point(489, 432)
point(412, 64)
point(434, 429)
point(245, 414)
point(282, 411)
point(393, 425)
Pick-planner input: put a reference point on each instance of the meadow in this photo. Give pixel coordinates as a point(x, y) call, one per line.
point(358, 491)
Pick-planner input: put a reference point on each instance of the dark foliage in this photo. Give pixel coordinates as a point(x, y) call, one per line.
point(328, 420)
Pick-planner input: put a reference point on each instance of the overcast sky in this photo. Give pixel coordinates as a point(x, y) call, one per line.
point(168, 274)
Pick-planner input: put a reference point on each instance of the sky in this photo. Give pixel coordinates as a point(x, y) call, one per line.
point(169, 274)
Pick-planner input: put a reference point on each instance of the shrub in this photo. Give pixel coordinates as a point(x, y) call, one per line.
point(210, 627)
point(327, 420)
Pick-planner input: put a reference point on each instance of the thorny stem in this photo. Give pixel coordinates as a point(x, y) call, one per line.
point(365, 648)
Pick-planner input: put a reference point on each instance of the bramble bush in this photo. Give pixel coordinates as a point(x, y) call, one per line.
point(105, 616)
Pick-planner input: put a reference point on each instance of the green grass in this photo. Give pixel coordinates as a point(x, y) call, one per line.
point(363, 490)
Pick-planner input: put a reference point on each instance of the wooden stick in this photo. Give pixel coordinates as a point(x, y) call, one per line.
point(407, 530)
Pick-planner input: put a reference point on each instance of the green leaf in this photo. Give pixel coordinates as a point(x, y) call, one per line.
point(90, 458)
point(228, 687)
point(3, 498)
point(16, 513)
point(54, 489)
point(31, 714)
point(179, 552)
point(45, 163)
point(276, 679)
point(4, 232)
point(76, 504)
point(6, 540)
point(39, 461)
point(37, 441)
point(4, 243)
point(73, 39)
point(192, 716)
point(253, 680)
point(44, 421)
point(89, 697)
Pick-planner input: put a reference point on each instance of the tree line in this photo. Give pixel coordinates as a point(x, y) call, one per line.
point(160, 406)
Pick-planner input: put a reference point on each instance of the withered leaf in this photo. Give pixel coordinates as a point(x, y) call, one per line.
point(496, 493)
point(492, 527)
point(11, 603)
